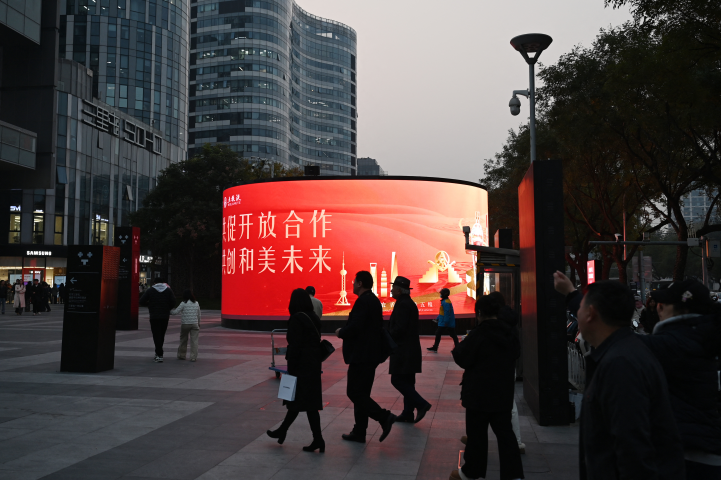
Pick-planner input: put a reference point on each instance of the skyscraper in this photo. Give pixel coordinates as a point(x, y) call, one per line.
point(82, 137)
point(273, 82)
point(138, 52)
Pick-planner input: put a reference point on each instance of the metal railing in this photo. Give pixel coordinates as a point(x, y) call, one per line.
point(576, 367)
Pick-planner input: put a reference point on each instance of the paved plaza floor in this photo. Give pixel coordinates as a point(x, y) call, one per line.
point(207, 420)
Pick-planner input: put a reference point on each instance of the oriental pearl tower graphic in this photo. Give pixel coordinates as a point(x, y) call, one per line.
point(343, 300)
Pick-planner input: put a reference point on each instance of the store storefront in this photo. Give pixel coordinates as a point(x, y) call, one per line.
point(47, 263)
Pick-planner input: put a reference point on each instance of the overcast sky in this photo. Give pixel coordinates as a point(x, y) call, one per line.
point(435, 77)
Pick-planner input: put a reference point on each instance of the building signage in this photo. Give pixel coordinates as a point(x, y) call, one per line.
point(591, 271)
point(109, 122)
point(38, 253)
point(146, 259)
point(15, 208)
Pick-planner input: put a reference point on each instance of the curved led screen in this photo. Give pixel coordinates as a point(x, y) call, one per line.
point(282, 235)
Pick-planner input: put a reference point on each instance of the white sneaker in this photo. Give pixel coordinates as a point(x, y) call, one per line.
point(158, 359)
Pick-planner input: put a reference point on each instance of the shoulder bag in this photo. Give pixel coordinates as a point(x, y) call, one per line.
point(326, 348)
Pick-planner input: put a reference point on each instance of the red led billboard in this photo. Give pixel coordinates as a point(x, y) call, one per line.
point(286, 234)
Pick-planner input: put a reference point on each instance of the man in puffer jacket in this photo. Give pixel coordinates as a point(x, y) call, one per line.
point(687, 343)
point(160, 300)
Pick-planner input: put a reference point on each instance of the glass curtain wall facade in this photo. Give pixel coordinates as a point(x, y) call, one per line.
point(138, 52)
point(273, 82)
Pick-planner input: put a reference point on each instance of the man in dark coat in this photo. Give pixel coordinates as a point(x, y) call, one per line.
point(627, 425)
point(406, 361)
point(363, 350)
point(160, 300)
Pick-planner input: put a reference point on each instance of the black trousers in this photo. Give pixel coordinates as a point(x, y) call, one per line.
point(447, 330)
point(406, 384)
point(360, 384)
point(476, 454)
point(313, 420)
point(159, 326)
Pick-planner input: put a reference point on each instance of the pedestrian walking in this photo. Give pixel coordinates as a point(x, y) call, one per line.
point(61, 292)
point(508, 315)
point(45, 296)
point(628, 428)
point(160, 300)
point(20, 297)
point(36, 295)
point(446, 321)
point(4, 288)
point(406, 361)
point(687, 343)
point(304, 363)
point(317, 304)
point(488, 355)
point(364, 348)
point(54, 293)
point(189, 311)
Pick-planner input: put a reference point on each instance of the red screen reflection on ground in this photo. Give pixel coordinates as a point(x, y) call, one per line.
point(282, 235)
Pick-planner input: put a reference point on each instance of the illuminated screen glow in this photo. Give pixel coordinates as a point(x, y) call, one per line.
point(282, 235)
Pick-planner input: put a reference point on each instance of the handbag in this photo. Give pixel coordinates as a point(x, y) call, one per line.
point(286, 391)
point(326, 348)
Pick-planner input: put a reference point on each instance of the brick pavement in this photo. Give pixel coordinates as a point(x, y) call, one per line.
point(207, 420)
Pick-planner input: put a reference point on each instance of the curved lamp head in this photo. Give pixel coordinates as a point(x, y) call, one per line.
point(531, 43)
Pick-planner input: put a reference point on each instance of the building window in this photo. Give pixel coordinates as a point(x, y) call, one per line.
point(38, 226)
point(58, 240)
point(110, 92)
point(14, 231)
point(100, 231)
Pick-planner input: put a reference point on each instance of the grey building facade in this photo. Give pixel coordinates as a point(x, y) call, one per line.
point(273, 82)
point(138, 52)
point(370, 167)
point(77, 165)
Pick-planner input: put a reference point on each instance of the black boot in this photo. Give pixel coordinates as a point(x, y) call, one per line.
point(318, 443)
point(279, 434)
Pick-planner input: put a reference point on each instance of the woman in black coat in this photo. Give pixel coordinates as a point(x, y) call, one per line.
point(488, 357)
point(304, 363)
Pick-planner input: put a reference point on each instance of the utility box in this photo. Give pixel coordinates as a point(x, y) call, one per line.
point(90, 309)
point(128, 240)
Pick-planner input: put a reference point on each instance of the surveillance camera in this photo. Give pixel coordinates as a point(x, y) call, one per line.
point(515, 105)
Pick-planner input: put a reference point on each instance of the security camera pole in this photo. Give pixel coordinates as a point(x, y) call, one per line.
point(525, 44)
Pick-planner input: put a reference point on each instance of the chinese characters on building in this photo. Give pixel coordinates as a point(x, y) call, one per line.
point(272, 257)
point(109, 122)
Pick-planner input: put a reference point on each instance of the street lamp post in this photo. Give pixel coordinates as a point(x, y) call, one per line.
point(525, 44)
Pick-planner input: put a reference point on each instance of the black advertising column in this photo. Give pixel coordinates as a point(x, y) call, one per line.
point(543, 310)
point(90, 309)
point(128, 240)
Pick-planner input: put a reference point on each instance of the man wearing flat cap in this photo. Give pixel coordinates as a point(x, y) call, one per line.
point(406, 360)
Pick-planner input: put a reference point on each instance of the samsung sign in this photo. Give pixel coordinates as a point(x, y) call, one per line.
point(38, 253)
point(109, 122)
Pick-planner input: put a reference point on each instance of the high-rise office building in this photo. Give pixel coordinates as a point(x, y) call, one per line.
point(138, 52)
point(370, 167)
point(273, 82)
point(695, 207)
point(75, 160)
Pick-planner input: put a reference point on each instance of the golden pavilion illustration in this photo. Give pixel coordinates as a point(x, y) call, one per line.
point(442, 263)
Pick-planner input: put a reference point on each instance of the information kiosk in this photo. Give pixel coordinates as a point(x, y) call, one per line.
point(90, 309)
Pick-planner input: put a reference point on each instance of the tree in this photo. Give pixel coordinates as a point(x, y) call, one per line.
point(182, 216)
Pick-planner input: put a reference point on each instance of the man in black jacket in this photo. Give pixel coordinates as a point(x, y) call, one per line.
point(160, 300)
point(363, 350)
point(406, 361)
point(627, 426)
